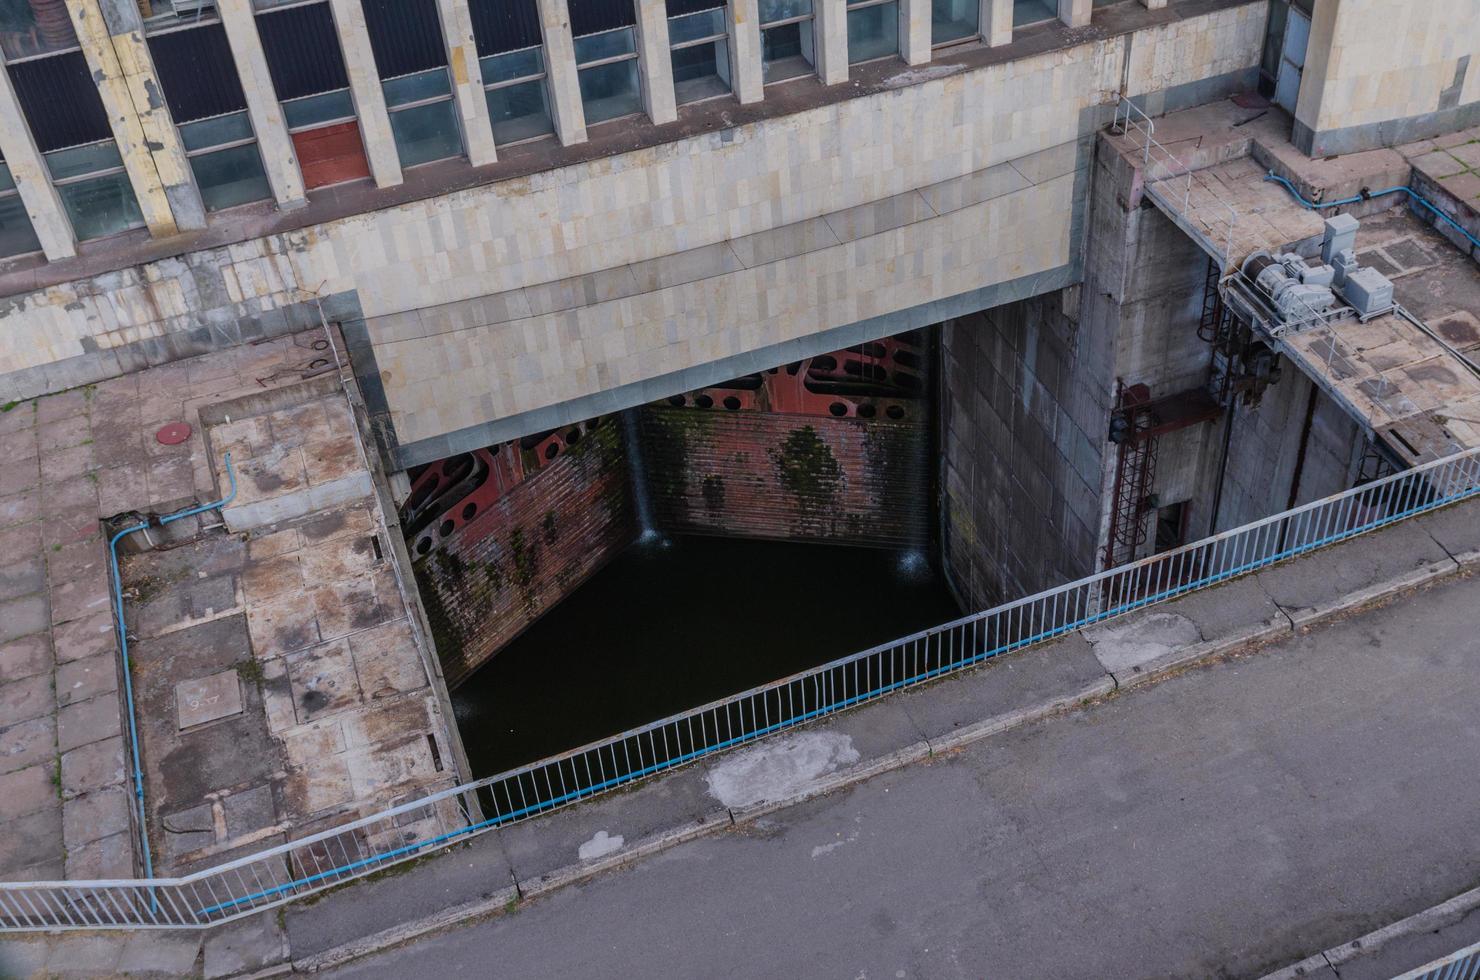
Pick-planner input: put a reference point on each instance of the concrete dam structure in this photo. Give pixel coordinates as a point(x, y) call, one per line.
point(584, 361)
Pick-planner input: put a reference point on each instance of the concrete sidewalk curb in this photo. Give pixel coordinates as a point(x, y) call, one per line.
point(1156, 669)
point(968, 734)
point(1429, 920)
point(1362, 597)
point(915, 752)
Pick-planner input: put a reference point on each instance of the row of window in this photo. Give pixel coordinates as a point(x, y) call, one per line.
point(200, 84)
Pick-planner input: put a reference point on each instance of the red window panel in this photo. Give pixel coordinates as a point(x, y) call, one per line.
point(331, 155)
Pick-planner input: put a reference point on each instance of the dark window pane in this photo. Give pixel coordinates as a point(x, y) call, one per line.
point(302, 51)
point(1025, 12)
point(677, 8)
point(515, 64)
point(416, 88)
point(86, 159)
point(610, 91)
point(60, 101)
point(100, 207)
point(594, 16)
point(505, 25)
point(774, 10)
point(519, 112)
point(691, 27)
point(405, 35)
point(316, 109)
point(227, 178)
point(426, 133)
point(16, 234)
point(206, 133)
point(873, 32)
point(701, 72)
point(609, 44)
point(952, 20)
point(787, 52)
point(196, 72)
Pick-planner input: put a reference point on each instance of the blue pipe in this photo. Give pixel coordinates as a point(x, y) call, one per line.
point(1417, 197)
point(128, 683)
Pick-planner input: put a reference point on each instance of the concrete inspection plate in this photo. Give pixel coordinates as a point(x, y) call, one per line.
point(208, 699)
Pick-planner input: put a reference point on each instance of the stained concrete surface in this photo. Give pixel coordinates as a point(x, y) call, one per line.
point(337, 701)
point(1222, 823)
point(1387, 373)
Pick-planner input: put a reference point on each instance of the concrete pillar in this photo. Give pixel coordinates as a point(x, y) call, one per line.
point(560, 73)
point(1075, 13)
point(467, 81)
point(746, 67)
point(279, 158)
point(364, 89)
point(654, 61)
point(830, 27)
point(914, 31)
point(1154, 4)
point(996, 22)
point(111, 34)
point(32, 180)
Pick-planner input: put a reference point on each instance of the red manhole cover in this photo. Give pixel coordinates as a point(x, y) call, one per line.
point(173, 434)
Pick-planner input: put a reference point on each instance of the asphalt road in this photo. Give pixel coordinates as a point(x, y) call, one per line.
point(1219, 824)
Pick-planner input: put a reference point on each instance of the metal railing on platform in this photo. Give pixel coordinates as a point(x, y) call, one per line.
point(418, 827)
point(1167, 177)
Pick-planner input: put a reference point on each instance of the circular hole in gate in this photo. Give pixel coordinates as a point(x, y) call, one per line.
point(445, 529)
point(732, 403)
point(469, 511)
point(423, 546)
point(704, 401)
point(895, 412)
point(572, 437)
point(678, 401)
point(838, 409)
point(552, 450)
point(866, 411)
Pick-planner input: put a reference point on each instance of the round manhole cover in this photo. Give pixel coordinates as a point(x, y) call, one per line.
point(173, 434)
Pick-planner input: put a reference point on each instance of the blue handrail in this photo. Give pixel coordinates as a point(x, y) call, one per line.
point(1366, 195)
point(128, 684)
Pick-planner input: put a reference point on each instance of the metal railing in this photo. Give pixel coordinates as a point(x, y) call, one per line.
point(1462, 964)
point(420, 826)
point(1161, 166)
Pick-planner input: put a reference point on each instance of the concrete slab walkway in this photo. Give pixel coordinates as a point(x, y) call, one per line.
point(1421, 646)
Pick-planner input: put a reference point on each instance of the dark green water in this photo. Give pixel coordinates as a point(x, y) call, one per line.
point(669, 626)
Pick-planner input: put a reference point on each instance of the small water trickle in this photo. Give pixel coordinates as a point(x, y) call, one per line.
point(913, 566)
point(642, 502)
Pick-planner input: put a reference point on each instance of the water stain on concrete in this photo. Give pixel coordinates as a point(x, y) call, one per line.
point(600, 846)
point(780, 770)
